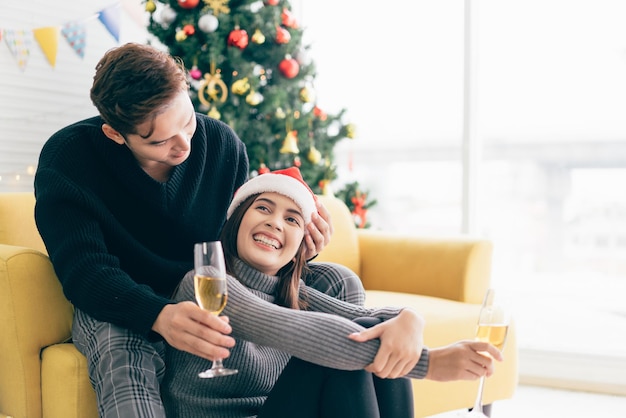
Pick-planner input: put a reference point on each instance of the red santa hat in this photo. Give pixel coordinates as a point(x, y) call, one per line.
point(288, 182)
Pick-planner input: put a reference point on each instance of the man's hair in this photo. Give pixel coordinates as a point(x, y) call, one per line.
point(134, 83)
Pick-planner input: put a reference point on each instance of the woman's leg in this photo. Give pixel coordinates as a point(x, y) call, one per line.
point(337, 281)
point(306, 390)
point(395, 396)
point(124, 368)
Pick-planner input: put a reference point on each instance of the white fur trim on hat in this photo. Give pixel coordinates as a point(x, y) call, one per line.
point(287, 182)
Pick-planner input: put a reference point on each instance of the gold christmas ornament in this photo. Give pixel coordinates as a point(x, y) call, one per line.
point(350, 131)
point(241, 86)
point(150, 6)
point(180, 35)
point(254, 98)
point(218, 6)
point(213, 86)
point(258, 37)
point(314, 155)
point(214, 113)
point(325, 186)
point(290, 144)
point(280, 113)
point(306, 94)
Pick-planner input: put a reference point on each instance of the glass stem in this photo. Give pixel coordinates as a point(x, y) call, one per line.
point(217, 364)
point(478, 403)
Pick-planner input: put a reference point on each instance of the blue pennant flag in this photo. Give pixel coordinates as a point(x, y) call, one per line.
point(110, 18)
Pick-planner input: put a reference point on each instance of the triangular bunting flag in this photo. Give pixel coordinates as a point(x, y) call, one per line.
point(110, 18)
point(75, 34)
point(48, 39)
point(19, 42)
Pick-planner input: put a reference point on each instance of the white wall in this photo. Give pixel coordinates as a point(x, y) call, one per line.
point(39, 100)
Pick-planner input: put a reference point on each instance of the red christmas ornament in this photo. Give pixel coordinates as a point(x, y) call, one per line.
point(288, 19)
point(320, 113)
point(289, 67)
point(272, 2)
point(238, 37)
point(189, 30)
point(188, 4)
point(263, 169)
point(195, 73)
point(282, 35)
point(359, 212)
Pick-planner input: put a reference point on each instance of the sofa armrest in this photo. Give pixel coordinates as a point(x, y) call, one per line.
point(450, 268)
point(33, 314)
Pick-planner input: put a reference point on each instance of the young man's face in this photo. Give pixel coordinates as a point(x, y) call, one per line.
point(168, 140)
point(270, 233)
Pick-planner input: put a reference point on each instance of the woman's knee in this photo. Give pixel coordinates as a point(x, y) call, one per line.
point(336, 280)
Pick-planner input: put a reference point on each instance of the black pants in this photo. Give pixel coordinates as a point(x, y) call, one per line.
point(306, 390)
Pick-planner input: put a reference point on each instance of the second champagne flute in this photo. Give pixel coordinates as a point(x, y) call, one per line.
point(492, 327)
point(210, 290)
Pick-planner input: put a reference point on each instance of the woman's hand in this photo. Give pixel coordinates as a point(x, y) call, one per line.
point(190, 328)
point(401, 344)
point(317, 233)
point(463, 360)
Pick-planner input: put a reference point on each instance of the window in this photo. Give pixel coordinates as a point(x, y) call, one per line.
point(551, 122)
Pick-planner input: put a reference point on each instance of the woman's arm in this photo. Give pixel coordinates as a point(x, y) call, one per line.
point(317, 337)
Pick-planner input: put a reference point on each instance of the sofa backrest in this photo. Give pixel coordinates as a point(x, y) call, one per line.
point(17, 227)
point(17, 221)
point(344, 243)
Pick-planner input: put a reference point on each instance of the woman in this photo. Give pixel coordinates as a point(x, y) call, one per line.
point(299, 352)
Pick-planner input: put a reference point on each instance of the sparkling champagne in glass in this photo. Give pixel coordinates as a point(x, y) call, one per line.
point(492, 327)
point(210, 290)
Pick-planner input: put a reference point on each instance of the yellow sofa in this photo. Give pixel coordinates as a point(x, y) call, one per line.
point(43, 375)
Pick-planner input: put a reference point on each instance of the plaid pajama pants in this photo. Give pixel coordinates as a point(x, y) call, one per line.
point(125, 368)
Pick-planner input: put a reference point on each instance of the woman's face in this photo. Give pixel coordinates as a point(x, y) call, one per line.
point(270, 233)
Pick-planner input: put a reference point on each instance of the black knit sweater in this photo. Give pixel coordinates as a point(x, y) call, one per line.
point(120, 241)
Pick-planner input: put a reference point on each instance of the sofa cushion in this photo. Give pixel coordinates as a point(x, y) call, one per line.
point(344, 244)
point(17, 226)
point(65, 383)
point(449, 321)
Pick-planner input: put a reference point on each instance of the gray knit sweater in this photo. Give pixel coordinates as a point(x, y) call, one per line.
point(266, 336)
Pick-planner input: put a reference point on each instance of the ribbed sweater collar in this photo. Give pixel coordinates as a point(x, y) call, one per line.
point(254, 279)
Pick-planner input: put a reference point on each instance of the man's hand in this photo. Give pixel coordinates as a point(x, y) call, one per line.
point(463, 360)
point(401, 344)
point(189, 328)
point(317, 233)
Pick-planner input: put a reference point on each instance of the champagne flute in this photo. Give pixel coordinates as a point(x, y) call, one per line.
point(210, 290)
point(493, 326)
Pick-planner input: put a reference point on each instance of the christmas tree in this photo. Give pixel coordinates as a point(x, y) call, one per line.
point(249, 68)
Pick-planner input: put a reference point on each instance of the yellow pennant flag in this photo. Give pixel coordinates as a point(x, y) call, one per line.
point(48, 40)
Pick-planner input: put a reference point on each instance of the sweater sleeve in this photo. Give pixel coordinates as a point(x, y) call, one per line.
point(317, 337)
point(92, 278)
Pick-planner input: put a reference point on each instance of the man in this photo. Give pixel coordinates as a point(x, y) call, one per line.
point(121, 199)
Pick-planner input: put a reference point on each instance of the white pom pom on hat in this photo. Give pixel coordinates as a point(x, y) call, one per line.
point(288, 182)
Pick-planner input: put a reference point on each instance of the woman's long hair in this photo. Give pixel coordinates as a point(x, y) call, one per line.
point(289, 275)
